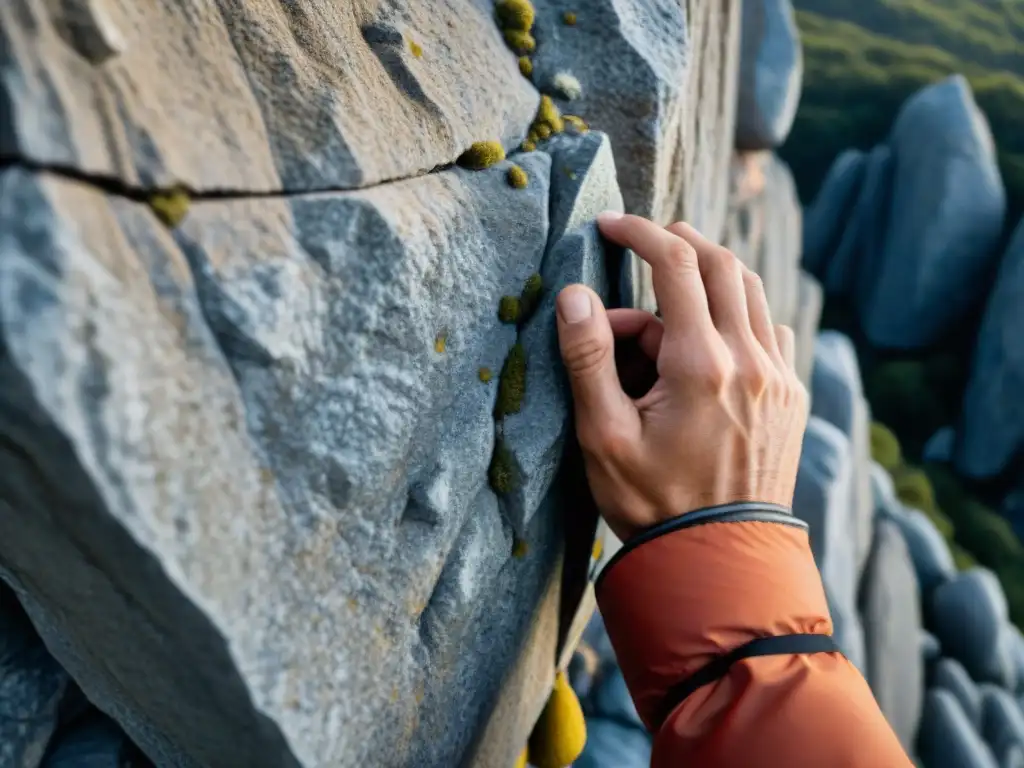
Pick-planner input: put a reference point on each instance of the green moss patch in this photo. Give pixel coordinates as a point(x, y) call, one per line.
point(511, 383)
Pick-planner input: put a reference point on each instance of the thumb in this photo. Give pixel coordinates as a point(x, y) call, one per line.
point(588, 351)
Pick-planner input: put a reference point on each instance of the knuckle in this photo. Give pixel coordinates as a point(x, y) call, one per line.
point(682, 253)
point(606, 440)
point(754, 375)
point(586, 356)
point(753, 281)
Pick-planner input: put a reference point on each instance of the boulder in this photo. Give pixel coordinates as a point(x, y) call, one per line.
point(822, 499)
point(257, 97)
point(939, 448)
point(271, 417)
point(968, 614)
point(950, 675)
point(991, 430)
point(810, 300)
point(1002, 722)
point(947, 738)
point(771, 72)
point(855, 258)
point(837, 397)
point(1015, 643)
point(891, 615)
point(948, 204)
point(825, 219)
point(929, 551)
point(611, 744)
point(883, 491)
point(931, 649)
point(31, 687)
point(661, 83)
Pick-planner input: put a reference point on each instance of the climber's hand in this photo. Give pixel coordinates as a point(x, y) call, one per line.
point(725, 419)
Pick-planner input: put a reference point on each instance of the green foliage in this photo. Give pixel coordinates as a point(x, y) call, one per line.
point(914, 488)
point(984, 534)
point(885, 447)
point(905, 396)
point(864, 58)
point(529, 299)
point(963, 559)
point(482, 154)
point(511, 383)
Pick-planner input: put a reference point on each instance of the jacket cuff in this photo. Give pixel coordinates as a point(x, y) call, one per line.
point(692, 589)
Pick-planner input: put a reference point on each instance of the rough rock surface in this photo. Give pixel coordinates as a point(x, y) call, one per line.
point(309, 96)
point(992, 428)
point(837, 396)
point(950, 201)
point(771, 71)
point(825, 219)
point(661, 83)
point(31, 687)
point(891, 616)
point(810, 300)
point(93, 741)
point(968, 614)
point(764, 229)
point(822, 499)
point(951, 676)
point(272, 418)
point(947, 738)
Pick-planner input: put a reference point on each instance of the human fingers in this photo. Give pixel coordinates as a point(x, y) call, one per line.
point(787, 345)
point(639, 324)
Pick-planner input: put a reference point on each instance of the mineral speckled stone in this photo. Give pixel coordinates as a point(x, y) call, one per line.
point(993, 415)
point(31, 685)
point(771, 72)
point(256, 96)
point(264, 483)
point(947, 209)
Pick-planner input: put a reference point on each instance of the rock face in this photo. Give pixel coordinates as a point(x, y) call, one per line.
point(1002, 723)
point(928, 550)
point(31, 687)
point(822, 499)
point(948, 204)
point(810, 300)
point(947, 738)
point(968, 616)
point(951, 676)
point(837, 396)
point(992, 429)
point(891, 615)
point(272, 418)
point(826, 218)
point(316, 96)
point(771, 69)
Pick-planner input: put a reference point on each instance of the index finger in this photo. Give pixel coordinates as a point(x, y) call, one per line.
point(675, 273)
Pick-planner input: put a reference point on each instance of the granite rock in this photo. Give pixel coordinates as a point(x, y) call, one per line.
point(947, 210)
point(928, 549)
point(947, 738)
point(771, 73)
point(1002, 722)
point(810, 300)
point(826, 217)
point(968, 614)
point(300, 97)
point(94, 741)
point(270, 418)
point(950, 675)
point(891, 616)
point(992, 422)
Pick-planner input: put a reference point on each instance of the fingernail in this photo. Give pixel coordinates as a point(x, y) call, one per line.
point(609, 216)
point(574, 305)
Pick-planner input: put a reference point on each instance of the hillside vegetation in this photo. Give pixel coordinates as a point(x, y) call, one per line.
point(857, 76)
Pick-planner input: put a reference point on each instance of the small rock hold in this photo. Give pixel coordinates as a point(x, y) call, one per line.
point(93, 32)
point(567, 86)
point(440, 343)
point(485, 374)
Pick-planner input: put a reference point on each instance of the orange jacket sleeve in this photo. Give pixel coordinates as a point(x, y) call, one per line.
point(679, 597)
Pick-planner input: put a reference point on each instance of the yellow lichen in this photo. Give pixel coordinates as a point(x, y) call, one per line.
point(523, 760)
point(171, 206)
point(560, 734)
point(482, 154)
point(440, 343)
point(517, 177)
point(569, 18)
point(525, 66)
point(415, 48)
point(515, 14)
point(570, 173)
point(528, 146)
point(509, 309)
point(578, 123)
point(543, 130)
point(519, 41)
point(485, 374)
point(598, 549)
point(529, 299)
point(511, 383)
point(520, 548)
point(501, 474)
point(549, 119)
